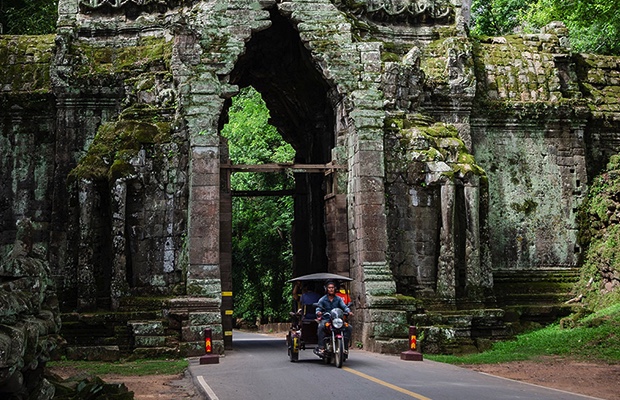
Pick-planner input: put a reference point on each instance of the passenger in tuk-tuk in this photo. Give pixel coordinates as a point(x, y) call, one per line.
point(308, 298)
point(325, 305)
point(344, 294)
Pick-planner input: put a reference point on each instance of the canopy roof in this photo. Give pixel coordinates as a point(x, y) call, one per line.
point(321, 276)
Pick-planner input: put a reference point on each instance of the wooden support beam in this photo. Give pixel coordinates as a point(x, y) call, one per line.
point(297, 168)
point(257, 193)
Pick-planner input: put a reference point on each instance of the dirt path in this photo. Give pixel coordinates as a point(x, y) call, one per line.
point(158, 387)
point(597, 380)
point(150, 387)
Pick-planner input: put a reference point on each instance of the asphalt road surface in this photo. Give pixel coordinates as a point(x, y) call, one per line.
point(259, 368)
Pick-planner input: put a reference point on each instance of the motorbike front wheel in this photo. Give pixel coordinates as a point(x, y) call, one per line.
point(339, 352)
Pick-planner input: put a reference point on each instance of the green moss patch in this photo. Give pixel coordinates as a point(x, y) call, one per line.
point(149, 55)
point(25, 62)
point(116, 144)
point(420, 140)
point(599, 233)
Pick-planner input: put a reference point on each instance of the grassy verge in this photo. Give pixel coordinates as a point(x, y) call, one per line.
point(595, 337)
point(135, 368)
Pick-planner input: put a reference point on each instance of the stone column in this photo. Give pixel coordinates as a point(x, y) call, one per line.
point(203, 272)
point(378, 323)
point(226, 258)
point(478, 276)
point(86, 289)
point(203, 277)
point(118, 284)
point(446, 274)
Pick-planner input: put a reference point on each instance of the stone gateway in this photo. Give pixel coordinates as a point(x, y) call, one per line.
point(441, 173)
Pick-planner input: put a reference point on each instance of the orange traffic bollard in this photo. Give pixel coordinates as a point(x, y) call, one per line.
point(412, 354)
point(209, 357)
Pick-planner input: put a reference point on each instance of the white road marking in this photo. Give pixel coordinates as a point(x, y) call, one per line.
point(207, 388)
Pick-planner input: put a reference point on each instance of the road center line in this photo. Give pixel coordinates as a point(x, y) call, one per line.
point(383, 383)
point(207, 388)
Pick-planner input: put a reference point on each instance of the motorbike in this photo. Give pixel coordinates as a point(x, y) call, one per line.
point(335, 345)
point(303, 329)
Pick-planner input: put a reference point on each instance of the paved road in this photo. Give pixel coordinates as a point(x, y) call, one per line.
point(259, 368)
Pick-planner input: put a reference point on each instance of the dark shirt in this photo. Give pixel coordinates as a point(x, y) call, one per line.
point(307, 301)
point(325, 306)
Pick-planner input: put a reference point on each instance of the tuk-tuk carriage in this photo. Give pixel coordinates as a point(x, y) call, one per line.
point(303, 330)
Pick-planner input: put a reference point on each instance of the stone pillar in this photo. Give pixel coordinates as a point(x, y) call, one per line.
point(118, 285)
point(203, 277)
point(203, 272)
point(226, 259)
point(86, 289)
point(374, 285)
point(479, 277)
point(446, 274)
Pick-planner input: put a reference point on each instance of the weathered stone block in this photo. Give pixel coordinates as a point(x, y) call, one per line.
point(146, 328)
point(93, 353)
point(149, 341)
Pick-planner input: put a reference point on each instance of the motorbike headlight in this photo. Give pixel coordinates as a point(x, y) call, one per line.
point(337, 323)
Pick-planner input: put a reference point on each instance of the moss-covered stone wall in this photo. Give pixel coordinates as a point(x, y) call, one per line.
point(458, 157)
point(28, 122)
point(529, 109)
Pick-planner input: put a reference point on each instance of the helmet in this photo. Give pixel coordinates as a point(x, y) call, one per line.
point(327, 283)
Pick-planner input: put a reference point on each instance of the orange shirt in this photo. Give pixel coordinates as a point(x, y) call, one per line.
point(345, 297)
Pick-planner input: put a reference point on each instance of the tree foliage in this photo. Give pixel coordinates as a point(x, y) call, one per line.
point(594, 25)
point(28, 17)
point(262, 249)
point(496, 17)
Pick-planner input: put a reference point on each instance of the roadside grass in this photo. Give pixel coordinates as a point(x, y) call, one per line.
point(595, 337)
point(126, 368)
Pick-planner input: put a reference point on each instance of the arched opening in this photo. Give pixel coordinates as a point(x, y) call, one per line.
point(302, 109)
point(261, 211)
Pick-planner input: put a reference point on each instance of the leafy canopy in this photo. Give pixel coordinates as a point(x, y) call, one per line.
point(28, 17)
point(262, 249)
point(593, 25)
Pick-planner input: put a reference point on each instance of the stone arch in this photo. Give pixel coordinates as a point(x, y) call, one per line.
point(348, 74)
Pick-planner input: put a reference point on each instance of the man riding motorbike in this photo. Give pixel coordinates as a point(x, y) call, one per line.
point(324, 306)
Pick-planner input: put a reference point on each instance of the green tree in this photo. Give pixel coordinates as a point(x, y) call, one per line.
point(593, 25)
point(496, 17)
point(28, 17)
point(262, 250)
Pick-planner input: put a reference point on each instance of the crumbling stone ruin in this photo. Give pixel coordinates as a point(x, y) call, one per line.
point(450, 169)
point(30, 319)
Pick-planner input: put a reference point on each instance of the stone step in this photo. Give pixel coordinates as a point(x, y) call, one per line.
point(105, 317)
point(543, 313)
point(457, 332)
point(125, 331)
point(534, 299)
point(143, 303)
point(93, 353)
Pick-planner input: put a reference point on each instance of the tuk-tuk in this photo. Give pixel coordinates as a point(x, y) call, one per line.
point(303, 330)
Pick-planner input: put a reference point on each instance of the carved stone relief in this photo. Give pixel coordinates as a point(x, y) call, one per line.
point(413, 11)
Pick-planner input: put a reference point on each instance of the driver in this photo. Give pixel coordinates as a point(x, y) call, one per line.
point(325, 305)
